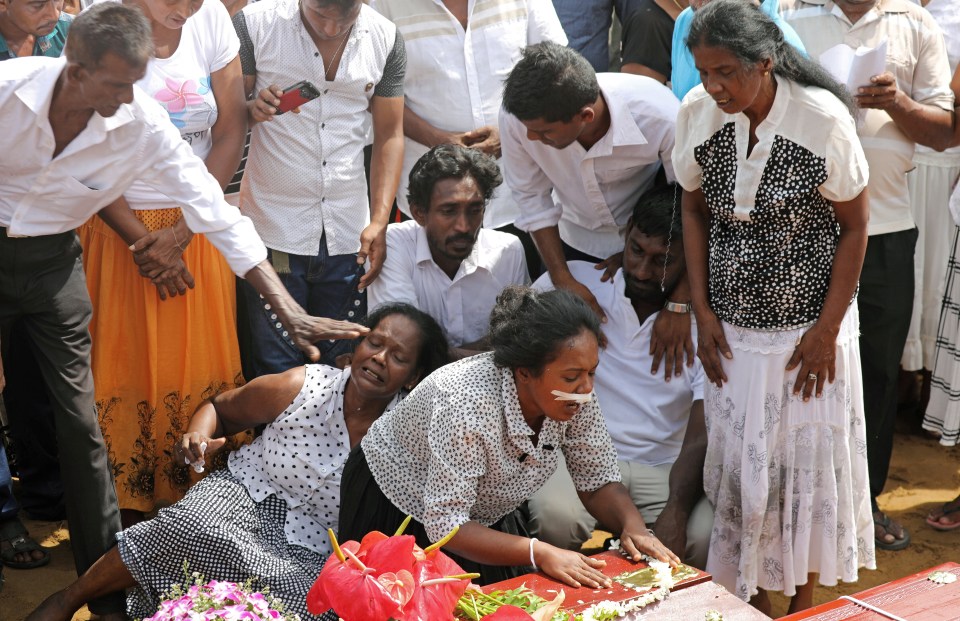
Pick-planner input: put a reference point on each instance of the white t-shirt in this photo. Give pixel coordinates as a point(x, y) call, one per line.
point(181, 84)
point(645, 415)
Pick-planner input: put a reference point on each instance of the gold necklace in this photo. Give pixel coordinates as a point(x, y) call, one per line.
point(677, 4)
point(346, 35)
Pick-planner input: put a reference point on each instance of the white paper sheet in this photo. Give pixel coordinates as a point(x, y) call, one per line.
point(854, 67)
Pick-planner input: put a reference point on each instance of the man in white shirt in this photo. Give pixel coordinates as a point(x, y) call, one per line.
point(909, 103)
point(458, 53)
point(443, 261)
point(304, 185)
point(579, 149)
point(77, 133)
point(657, 427)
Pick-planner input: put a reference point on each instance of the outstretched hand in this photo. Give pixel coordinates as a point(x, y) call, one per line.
point(570, 567)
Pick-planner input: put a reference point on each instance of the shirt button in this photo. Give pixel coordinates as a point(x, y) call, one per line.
point(279, 325)
point(350, 314)
point(356, 302)
point(324, 162)
point(316, 53)
point(323, 125)
point(326, 90)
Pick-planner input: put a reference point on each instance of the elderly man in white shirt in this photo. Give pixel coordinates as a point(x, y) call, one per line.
point(657, 427)
point(77, 133)
point(442, 261)
point(458, 54)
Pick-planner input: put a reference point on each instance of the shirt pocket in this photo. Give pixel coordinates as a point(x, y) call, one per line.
point(76, 200)
point(615, 173)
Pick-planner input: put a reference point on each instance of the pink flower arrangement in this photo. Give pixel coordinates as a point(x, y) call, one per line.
point(219, 601)
point(382, 578)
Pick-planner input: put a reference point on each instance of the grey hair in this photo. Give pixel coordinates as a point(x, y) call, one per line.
point(110, 27)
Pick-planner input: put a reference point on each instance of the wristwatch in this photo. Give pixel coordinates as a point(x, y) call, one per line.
point(676, 307)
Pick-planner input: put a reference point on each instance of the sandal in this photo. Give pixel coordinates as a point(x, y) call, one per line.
point(891, 528)
point(16, 540)
point(938, 518)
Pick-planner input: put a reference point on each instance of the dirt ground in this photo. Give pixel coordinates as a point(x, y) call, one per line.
point(923, 474)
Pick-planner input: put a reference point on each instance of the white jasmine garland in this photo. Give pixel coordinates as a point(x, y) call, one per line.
point(713, 615)
point(942, 577)
point(604, 611)
point(607, 610)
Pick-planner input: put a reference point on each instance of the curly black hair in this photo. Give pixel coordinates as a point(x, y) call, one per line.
point(451, 161)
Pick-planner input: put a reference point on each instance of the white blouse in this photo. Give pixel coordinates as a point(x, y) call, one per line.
point(458, 448)
point(300, 458)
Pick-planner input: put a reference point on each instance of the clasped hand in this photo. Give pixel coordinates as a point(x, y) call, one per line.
point(159, 258)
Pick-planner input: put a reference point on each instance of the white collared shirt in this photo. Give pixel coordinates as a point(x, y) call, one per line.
point(646, 416)
point(461, 306)
point(455, 75)
point(590, 195)
point(916, 55)
point(304, 176)
point(458, 449)
point(43, 195)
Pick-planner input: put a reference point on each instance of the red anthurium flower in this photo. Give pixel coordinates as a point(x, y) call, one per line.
point(438, 588)
point(509, 613)
point(399, 585)
point(356, 588)
point(388, 554)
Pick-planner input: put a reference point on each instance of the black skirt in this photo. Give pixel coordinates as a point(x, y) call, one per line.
point(364, 508)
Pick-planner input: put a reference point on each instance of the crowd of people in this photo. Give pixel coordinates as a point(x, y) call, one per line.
point(278, 267)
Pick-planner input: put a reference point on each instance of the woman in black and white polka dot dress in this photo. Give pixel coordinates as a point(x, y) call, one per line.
point(774, 218)
point(266, 516)
point(477, 438)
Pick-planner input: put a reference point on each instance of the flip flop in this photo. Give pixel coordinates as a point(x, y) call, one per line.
point(935, 520)
point(15, 535)
point(896, 544)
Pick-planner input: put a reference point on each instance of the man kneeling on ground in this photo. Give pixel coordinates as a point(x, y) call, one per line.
point(656, 426)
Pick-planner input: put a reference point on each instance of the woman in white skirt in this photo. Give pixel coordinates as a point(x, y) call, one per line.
point(775, 230)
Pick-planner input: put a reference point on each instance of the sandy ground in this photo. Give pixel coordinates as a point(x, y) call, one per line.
point(923, 475)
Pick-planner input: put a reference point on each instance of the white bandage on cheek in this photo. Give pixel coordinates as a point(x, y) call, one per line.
point(572, 396)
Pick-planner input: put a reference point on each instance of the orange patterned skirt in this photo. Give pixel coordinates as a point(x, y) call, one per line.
point(155, 361)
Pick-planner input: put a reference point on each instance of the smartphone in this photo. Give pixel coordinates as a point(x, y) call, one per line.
point(297, 95)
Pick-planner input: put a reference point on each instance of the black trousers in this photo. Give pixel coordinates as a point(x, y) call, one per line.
point(42, 283)
point(885, 302)
point(365, 508)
